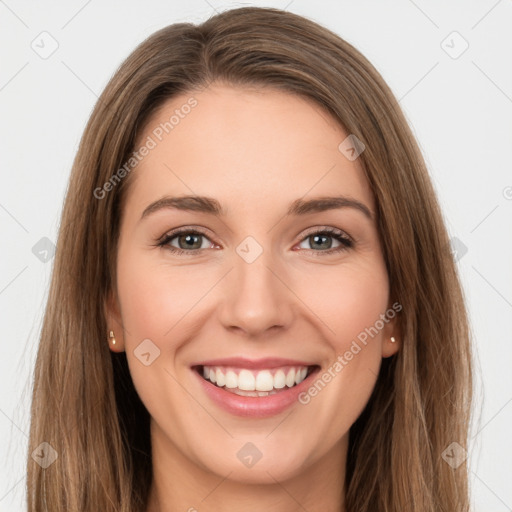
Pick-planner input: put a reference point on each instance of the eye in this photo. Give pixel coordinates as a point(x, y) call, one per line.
point(188, 240)
point(191, 241)
point(323, 240)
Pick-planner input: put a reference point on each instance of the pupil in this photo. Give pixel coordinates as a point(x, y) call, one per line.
point(189, 242)
point(316, 237)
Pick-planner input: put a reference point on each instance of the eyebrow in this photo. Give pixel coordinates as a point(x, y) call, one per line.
point(211, 206)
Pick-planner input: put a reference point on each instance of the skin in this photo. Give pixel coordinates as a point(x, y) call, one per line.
point(255, 151)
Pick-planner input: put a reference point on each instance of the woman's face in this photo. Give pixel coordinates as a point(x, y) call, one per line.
point(257, 296)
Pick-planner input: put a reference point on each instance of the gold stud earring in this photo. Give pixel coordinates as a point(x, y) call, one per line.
point(111, 336)
point(392, 339)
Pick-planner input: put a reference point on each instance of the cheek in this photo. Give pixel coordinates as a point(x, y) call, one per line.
point(151, 300)
point(352, 301)
point(153, 296)
point(348, 299)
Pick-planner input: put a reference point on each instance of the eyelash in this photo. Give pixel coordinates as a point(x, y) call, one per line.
point(346, 242)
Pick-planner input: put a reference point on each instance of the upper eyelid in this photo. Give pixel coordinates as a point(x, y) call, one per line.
point(330, 230)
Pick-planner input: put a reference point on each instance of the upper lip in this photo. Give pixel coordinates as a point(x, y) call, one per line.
point(241, 362)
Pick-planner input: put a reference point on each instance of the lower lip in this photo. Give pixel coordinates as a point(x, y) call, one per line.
point(251, 406)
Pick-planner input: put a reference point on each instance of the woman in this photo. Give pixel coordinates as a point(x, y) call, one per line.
point(200, 350)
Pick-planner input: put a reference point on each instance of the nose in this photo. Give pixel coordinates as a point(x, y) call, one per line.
point(256, 298)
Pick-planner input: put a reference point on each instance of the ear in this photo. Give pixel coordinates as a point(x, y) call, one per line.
point(114, 323)
point(390, 330)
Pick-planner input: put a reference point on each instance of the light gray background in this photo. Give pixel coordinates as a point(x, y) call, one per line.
point(459, 108)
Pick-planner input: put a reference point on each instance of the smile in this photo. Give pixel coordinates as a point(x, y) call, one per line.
point(254, 388)
point(245, 382)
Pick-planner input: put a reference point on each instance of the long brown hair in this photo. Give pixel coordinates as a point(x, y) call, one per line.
point(84, 403)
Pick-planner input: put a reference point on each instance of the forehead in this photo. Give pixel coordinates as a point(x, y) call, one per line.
point(250, 148)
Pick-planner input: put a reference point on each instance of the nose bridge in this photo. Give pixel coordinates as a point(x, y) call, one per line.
point(256, 298)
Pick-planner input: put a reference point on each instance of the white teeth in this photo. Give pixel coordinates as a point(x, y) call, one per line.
point(231, 379)
point(246, 381)
point(300, 375)
point(264, 381)
point(219, 377)
point(254, 382)
point(290, 378)
point(280, 379)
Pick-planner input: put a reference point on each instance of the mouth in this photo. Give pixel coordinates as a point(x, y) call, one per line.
point(255, 383)
point(257, 389)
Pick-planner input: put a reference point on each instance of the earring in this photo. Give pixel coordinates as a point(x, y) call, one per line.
point(111, 336)
point(392, 339)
